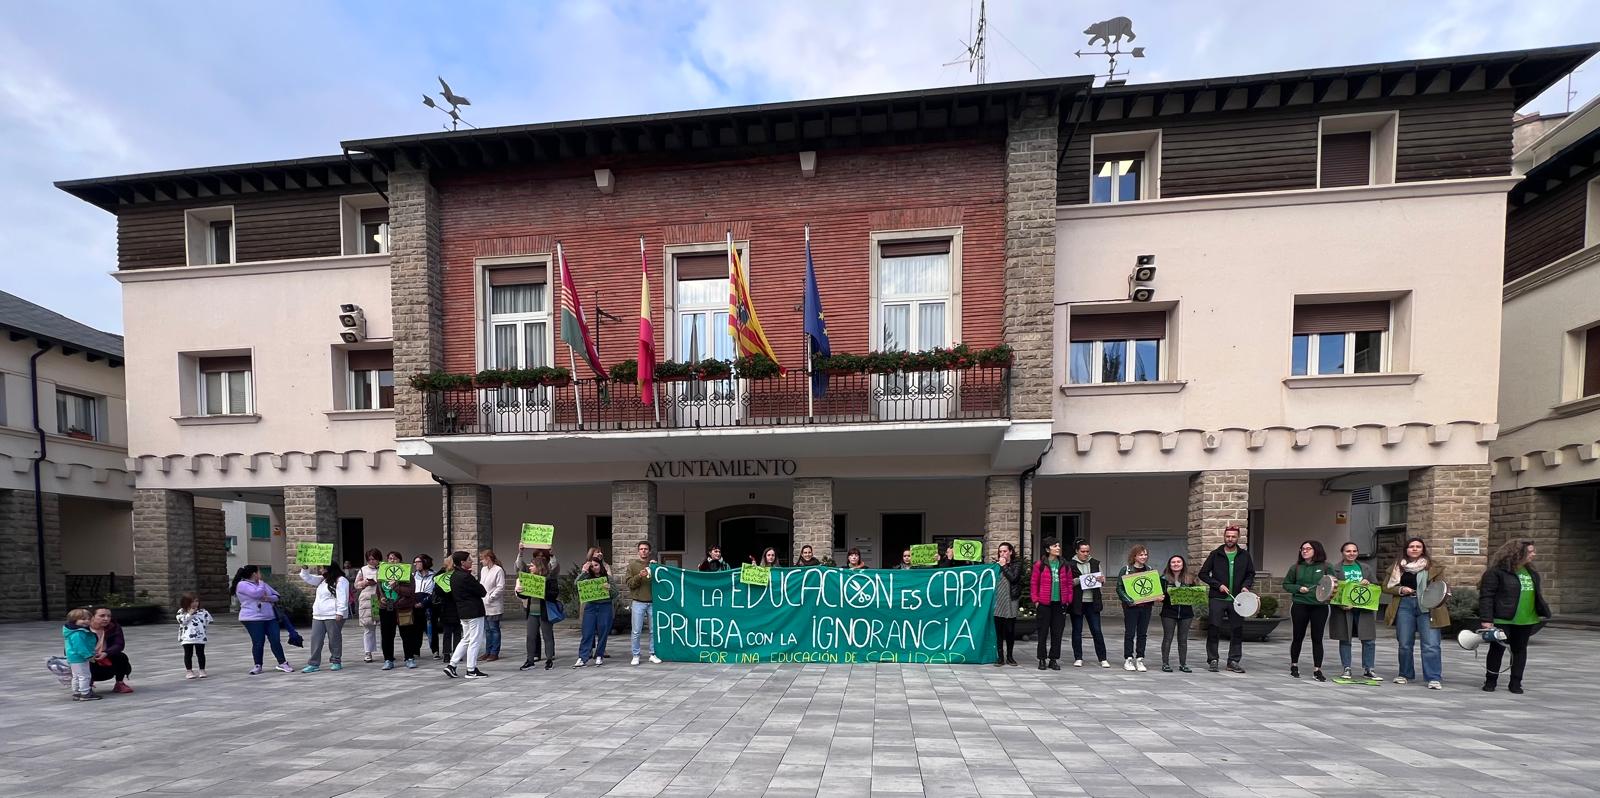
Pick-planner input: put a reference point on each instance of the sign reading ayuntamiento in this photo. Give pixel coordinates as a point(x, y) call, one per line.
point(829, 615)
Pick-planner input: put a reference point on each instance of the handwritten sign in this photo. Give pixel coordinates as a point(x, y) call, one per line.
point(593, 590)
point(1143, 587)
point(924, 554)
point(538, 536)
point(967, 550)
point(531, 585)
point(755, 575)
point(1092, 581)
point(1355, 595)
point(313, 553)
point(1191, 596)
point(394, 571)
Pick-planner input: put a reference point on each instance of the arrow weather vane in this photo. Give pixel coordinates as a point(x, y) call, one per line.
point(455, 101)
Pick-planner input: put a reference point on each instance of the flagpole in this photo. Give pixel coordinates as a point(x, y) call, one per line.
point(572, 356)
point(811, 390)
point(644, 267)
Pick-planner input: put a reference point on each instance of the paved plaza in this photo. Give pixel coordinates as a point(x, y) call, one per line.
point(779, 730)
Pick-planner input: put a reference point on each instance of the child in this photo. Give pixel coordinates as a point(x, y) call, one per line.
point(192, 622)
point(79, 644)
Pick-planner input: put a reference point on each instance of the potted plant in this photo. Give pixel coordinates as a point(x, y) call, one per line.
point(712, 369)
point(439, 381)
point(673, 371)
point(80, 434)
point(1463, 607)
point(755, 367)
point(626, 371)
point(840, 364)
point(134, 611)
point(490, 378)
point(998, 356)
point(1258, 627)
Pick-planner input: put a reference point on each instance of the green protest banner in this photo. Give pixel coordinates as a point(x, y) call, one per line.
point(754, 575)
point(394, 571)
point(968, 550)
point(1354, 595)
point(538, 536)
point(593, 590)
point(1142, 587)
point(441, 581)
point(1195, 596)
point(826, 615)
point(924, 554)
point(313, 553)
point(531, 585)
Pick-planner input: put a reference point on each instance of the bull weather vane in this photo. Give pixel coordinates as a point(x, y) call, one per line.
point(1111, 34)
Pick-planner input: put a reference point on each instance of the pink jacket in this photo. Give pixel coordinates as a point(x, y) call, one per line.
point(1041, 582)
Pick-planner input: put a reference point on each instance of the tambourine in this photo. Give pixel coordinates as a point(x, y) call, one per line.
point(1433, 595)
point(1325, 587)
point(1246, 605)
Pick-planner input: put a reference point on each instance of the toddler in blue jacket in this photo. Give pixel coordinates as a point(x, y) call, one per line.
point(79, 644)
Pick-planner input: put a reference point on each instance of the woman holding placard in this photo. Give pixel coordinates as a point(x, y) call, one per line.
point(366, 601)
point(397, 609)
point(541, 642)
point(1307, 610)
point(1086, 604)
point(328, 609)
point(1007, 594)
point(1135, 613)
point(493, 578)
point(598, 614)
point(1051, 589)
point(1176, 618)
point(445, 616)
point(1407, 580)
point(1347, 622)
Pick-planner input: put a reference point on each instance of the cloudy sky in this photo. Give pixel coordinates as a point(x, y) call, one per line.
point(89, 90)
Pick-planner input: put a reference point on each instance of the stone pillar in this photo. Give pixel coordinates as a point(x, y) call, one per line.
point(1031, 256)
point(163, 544)
point(633, 518)
point(1574, 562)
point(1447, 502)
point(19, 568)
point(416, 288)
point(471, 518)
point(1005, 502)
point(211, 557)
point(311, 515)
point(813, 516)
point(1217, 500)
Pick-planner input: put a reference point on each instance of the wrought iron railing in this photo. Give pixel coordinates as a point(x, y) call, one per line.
point(784, 400)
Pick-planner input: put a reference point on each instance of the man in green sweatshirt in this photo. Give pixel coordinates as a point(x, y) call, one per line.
point(639, 591)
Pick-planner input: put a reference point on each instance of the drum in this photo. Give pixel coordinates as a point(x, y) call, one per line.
point(1246, 605)
point(1325, 587)
point(1434, 594)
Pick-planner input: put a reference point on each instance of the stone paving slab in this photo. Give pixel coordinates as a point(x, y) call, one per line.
point(837, 731)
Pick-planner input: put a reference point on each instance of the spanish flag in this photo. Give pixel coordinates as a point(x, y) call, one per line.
point(647, 333)
point(743, 324)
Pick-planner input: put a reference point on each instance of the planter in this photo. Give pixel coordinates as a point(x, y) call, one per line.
point(80, 435)
point(1256, 630)
point(136, 615)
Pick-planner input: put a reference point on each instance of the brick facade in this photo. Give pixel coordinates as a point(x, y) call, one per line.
point(415, 289)
point(19, 569)
point(164, 544)
point(311, 515)
point(1449, 502)
point(211, 557)
point(1217, 500)
point(1030, 252)
point(471, 515)
point(633, 518)
point(1005, 502)
point(813, 516)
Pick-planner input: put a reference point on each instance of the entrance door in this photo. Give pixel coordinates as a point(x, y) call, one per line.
point(900, 531)
point(1160, 543)
point(742, 538)
point(352, 533)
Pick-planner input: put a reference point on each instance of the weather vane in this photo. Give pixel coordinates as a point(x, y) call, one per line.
point(455, 101)
point(1111, 34)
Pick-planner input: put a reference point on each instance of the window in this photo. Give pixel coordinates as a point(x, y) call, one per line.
point(1591, 227)
point(374, 231)
point(1339, 338)
point(1591, 361)
point(1356, 149)
point(225, 385)
point(700, 301)
point(914, 281)
point(209, 235)
point(1064, 527)
point(371, 380)
point(77, 415)
point(364, 224)
point(840, 533)
point(260, 527)
point(1117, 347)
point(671, 532)
point(1123, 167)
point(1399, 497)
point(519, 317)
point(600, 533)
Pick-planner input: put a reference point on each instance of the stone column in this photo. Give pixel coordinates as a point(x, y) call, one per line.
point(1447, 502)
point(311, 515)
point(19, 569)
point(813, 516)
point(1574, 561)
point(163, 544)
point(1005, 502)
point(1530, 514)
point(1031, 256)
point(472, 517)
point(1217, 500)
point(211, 557)
point(633, 518)
point(416, 288)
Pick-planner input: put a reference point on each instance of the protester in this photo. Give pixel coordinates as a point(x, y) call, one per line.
point(769, 558)
point(714, 561)
point(109, 660)
point(598, 615)
point(330, 605)
point(1228, 571)
point(1347, 622)
point(1135, 617)
point(1086, 605)
point(1306, 609)
point(397, 609)
point(947, 559)
point(192, 622)
point(493, 578)
point(1511, 595)
point(639, 592)
point(422, 583)
point(351, 573)
point(468, 595)
point(807, 559)
point(258, 612)
point(1176, 618)
point(1007, 594)
point(448, 620)
point(905, 561)
point(541, 641)
point(78, 646)
point(852, 560)
point(366, 603)
point(1051, 589)
point(1407, 579)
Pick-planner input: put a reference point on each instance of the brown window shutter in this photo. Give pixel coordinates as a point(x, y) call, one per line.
point(911, 249)
point(210, 365)
point(1591, 362)
point(374, 215)
point(1341, 317)
point(371, 359)
point(1149, 325)
point(701, 265)
point(518, 275)
point(1346, 159)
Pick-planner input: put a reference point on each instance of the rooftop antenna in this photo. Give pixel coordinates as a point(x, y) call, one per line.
point(1111, 34)
point(977, 53)
point(1570, 92)
point(455, 101)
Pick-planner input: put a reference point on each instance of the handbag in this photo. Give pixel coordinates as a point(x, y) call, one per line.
point(554, 611)
point(405, 617)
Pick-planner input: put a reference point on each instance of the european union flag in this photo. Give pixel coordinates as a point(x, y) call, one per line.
point(816, 323)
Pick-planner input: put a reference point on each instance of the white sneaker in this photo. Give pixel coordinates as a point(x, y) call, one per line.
point(1104, 664)
point(635, 660)
point(1399, 680)
point(1434, 685)
point(1138, 665)
point(1346, 674)
point(189, 675)
point(1077, 663)
point(578, 664)
point(655, 660)
point(1127, 664)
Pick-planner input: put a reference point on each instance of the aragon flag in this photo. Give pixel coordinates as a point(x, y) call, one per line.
point(743, 323)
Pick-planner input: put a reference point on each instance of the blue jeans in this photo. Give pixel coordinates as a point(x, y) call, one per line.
point(1410, 620)
point(1369, 648)
point(260, 633)
point(1091, 613)
point(491, 635)
point(597, 618)
point(641, 613)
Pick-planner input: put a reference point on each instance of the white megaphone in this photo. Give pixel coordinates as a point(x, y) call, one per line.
point(1470, 639)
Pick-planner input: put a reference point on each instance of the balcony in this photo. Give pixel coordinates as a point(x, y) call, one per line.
point(593, 406)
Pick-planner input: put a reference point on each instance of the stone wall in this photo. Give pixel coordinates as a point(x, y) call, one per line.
point(211, 557)
point(1217, 500)
point(1577, 555)
point(1448, 502)
point(813, 516)
point(311, 515)
point(164, 544)
point(1031, 257)
point(471, 512)
point(633, 518)
point(416, 286)
point(19, 568)
point(1004, 503)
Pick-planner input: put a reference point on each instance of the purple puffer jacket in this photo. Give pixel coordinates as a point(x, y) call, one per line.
point(256, 600)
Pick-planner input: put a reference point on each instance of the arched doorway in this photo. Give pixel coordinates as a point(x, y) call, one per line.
point(748, 529)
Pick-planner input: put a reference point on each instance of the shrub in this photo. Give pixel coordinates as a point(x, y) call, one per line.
point(291, 596)
point(755, 367)
point(673, 370)
point(1000, 355)
point(1269, 607)
point(626, 371)
point(712, 369)
point(1463, 605)
point(491, 378)
point(440, 381)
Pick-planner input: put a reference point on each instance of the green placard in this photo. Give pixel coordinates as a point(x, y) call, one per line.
point(531, 585)
point(441, 580)
point(313, 553)
point(394, 571)
point(593, 590)
point(1142, 587)
point(1355, 595)
point(538, 536)
point(755, 575)
point(925, 554)
point(1194, 596)
point(967, 550)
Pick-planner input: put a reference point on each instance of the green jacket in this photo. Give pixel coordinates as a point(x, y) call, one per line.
point(1307, 576)
point(638, 583)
